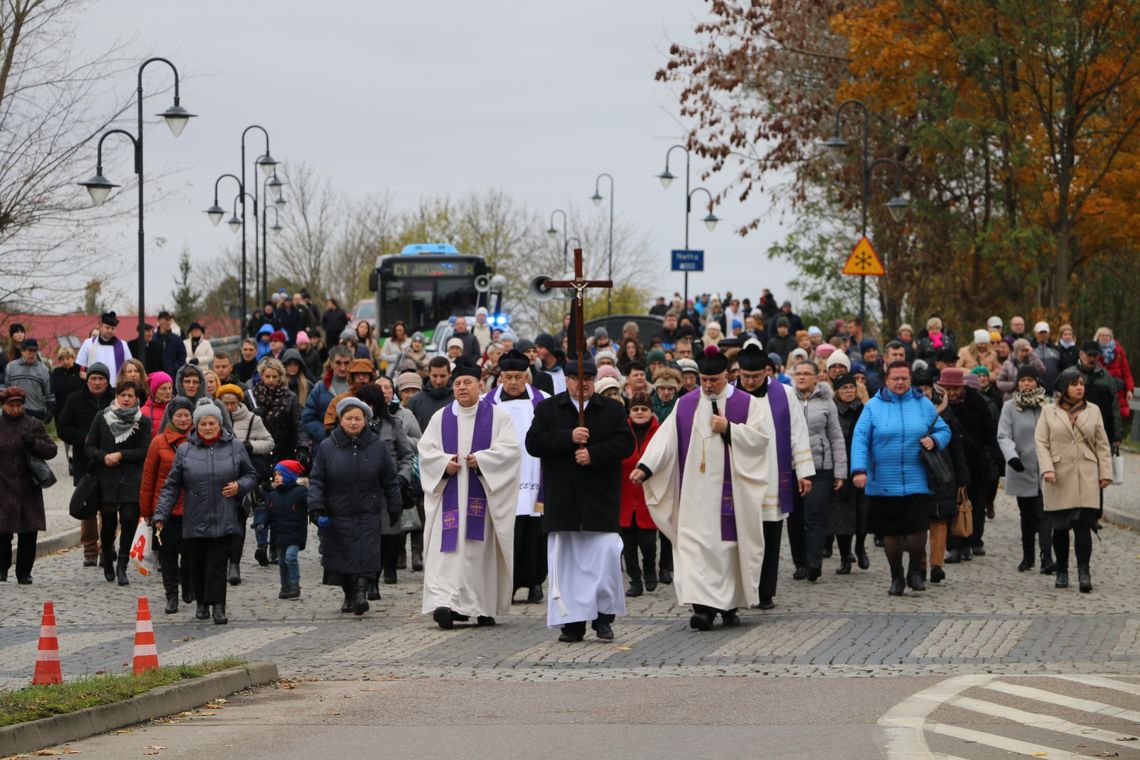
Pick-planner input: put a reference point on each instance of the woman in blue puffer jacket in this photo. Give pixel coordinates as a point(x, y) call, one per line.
point(895, 425)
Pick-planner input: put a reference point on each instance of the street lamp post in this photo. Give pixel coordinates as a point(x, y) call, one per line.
point(896, 205)
point(710, 219)
point(99, 187)
point(269, 183)
point(552, 232)
point(597, 199)
point(268, 167)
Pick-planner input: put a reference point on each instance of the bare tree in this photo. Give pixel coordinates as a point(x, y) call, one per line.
point(370, 226)
point(306, 245)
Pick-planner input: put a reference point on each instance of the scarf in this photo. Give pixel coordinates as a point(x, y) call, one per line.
point(1033, 399)
point(1073, 409)
point(1067, 343)
point(935, 339)
point(271, 400)
point(122, 421)
point(1108, 351)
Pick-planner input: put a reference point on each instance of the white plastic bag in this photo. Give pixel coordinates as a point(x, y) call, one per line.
point(143, 557)
point(1118, 469)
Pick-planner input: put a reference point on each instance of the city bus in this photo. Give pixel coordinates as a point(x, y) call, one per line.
point(425, 284)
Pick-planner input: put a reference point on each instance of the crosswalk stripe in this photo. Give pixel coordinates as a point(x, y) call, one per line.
point(1104, 683)
point(1084, 705)
point(1038, 720)
point(1000, 742)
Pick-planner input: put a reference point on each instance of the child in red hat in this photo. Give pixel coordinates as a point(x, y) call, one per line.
point(289, 522)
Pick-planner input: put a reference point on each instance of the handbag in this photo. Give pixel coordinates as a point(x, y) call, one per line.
point(939, 470)
point(410, 519)
point(963, 524)
point(41, 472)
point(85, 499)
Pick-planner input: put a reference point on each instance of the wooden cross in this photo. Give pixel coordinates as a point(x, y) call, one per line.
point(579, 285)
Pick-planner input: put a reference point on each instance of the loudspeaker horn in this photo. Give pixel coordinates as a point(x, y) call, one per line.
point(537, 289)
point(482, 283)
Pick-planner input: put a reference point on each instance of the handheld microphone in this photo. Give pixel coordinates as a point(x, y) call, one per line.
point(716, 409)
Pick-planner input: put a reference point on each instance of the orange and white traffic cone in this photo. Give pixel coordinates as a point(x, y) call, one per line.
point(47, 655)
point(146, 653)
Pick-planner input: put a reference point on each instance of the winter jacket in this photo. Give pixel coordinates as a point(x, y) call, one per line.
point(35, 379)
point(1069, 356)
point(1007, 378)
point(21, 500)
point(202, 355)
point(411, 427)
point(289, 515)
point(249, 429)
point(1051, 358)
point(634, 511)
point(119, 484)
point(1100, 389)
point(198, 474)
point(1078, 454)
point(156, 466)
point(980, 430)
point(828, 450)
point(313, 415)
point(262, 339)
point(1119, 369)
point(313, 364)
point(969, 357)
point(945, 502)
point(290, 437)
point(353, 481)
point(75, 422)
point(155, 412)
point(391, 431)
point(65, 382)
point(1015, 436)
point(333, 323)
point(427, 402)
point(173, 351)
point(848, 415)
point(179, 390)
point(886, 443)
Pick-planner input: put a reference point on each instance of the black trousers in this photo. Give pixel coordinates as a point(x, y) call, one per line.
point(1034, 525)
point(390, 548)
point(128, 521)
point(208, 557)
point(665, 559)
point(797, 533)
point(770, 565)
point(634, 540)
point(236, 544)
point(815, 517)
point(175, 568)
point(981, 497)
point(25, 552)
point(530, 552)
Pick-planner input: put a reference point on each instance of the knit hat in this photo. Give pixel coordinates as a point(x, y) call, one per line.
point(155, 380)
point(31, 343)
point(99, 368)
point(229, 388)
point(454, 343)
point(277, 335)
point(656, 355)
point(608, 370)
point(206, 408)
point(994, 336)
point(814, 330)
point(867, 343)
point(800, 353)
point(1028, 370)
point(824, 350)
point(667, 377)
point(524, 344)
point(845, 379)
point(605, 355)
point(409, 380)
point(13, 393)
point(921, 378)
point(981, 369)
point(177, 403)
point(14, 328)
point(687, 365)
point(906, 328)
point(290, 470)
point(351, 402)
point(605, 384)
point(601, 332)
point(981, 336)
point(302, 337)
point(775, 361)
point(838, 357)
point(640, 398)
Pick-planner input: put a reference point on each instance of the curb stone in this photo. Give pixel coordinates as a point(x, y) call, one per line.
point(57, 541)
point(165, 700)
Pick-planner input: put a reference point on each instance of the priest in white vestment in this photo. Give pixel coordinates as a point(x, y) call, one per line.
point(469, 472)
point(519, 399)
point(705, 474)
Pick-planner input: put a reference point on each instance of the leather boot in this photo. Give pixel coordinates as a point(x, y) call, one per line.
point(390, 576)
point(898, 583)
point(360, 596)
point(273, 555)
point(121, 571)
point(1084, 579)
point(373, 591)
point(109, 566)
point(203, 612)
point(171, 603)
point(1062, 580)
point(234, 575)
point(417, 562)
point(635, 589)
point(220, 614)
point(346, 605)
point(844, 565)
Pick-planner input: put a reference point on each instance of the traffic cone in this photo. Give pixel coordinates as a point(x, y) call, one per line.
point(47, 655)
point(146, 654)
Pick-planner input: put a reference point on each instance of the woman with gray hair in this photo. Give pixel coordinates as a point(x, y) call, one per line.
point(1022, 356)
point(212, 474)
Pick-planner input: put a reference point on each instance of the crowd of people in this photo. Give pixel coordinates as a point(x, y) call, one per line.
point(504, 463)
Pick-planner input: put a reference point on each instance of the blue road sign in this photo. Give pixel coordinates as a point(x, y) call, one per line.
point(688, 261)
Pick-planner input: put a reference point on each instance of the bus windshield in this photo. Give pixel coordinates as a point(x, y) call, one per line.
point(426, 290)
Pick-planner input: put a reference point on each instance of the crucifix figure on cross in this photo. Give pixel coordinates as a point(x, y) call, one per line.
point(579, 285)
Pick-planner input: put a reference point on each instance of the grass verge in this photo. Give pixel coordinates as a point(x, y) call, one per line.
point(35, 702)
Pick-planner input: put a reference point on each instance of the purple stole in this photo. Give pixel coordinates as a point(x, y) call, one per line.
point(536, 398)
point(476, 496)
point(736, 412)
point(782, 421)
point(119, 348)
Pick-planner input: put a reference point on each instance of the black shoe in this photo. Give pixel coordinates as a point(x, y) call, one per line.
point(109, 567)
point(402, 561)
point(234, 575)
point(187, 595)
point(534, 595)
point(261, 556)
point(700, 622)
point(650, 581)
point(635, 589)
point(953, 557)
point(862, 559)
point(813, 574)
point(389, 577)
point(1025, 564)
point(442, 618)
point(570, 636)
point(346, 605)
point(898, 586)
point(220, 614)
point(294, 591)
point(485, 621)
point(3, 576)
point(916, 582)
point(937, 574)
point(203, 612)
point(1062, 580)
point(800, 573)
point(1084, 580)
point(171, 603)
point(604, 631)
point(360, 596)
point(373, 594)
point(967, 554)
point(665, 576)
point(273, 555)
point(730, 618)
point(978, 551)
point(417, 562)
point(827, 551)
point(766, 603)
point(26, 580)
point(1048, 567)
point(121, 572)
point(284, 592)
point(844, 566)
point(90, 562)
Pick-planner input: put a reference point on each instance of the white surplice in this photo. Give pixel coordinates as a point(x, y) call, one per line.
point(801, 447)
point(707, 569)
point(530, 468)
point(476, 578)
point(584, 576)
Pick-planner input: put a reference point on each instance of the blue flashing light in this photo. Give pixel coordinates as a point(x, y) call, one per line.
point(416, 249)
point(500, 320)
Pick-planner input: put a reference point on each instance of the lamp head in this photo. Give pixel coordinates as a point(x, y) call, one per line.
point(234, 223)
point(99, 187)
point(177, 117)
point(898, 206)
point(275, 186)
point(711, 221)
point(836, 147)
point(552, 232)
point(596, 198)
point(268, 165)
point(666, 178)
point(215, 213)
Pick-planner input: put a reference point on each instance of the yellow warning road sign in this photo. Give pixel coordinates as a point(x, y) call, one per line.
point(864, 261)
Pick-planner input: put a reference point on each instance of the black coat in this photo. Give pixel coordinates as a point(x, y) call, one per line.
point(581, 498)
point(333, 322)
point(289, 515)
point(119, 484)
point(944, 505)
point(980, 430)
point(352, 482)
point(64, 383)
point(75, 422)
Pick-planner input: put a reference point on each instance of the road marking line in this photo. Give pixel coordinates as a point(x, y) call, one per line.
point(1039, 720)
point(1084, 705)
point(903, 724)
point(1000, 742)
point(1104, 683)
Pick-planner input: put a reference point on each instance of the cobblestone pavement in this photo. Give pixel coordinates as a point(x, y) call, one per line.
point(985, 618)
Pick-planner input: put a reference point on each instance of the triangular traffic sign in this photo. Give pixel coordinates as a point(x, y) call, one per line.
point(864, 261)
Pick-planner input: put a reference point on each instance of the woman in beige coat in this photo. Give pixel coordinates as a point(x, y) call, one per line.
point(1076, 465)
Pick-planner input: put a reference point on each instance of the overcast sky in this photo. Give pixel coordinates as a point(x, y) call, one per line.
point(426, 98)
